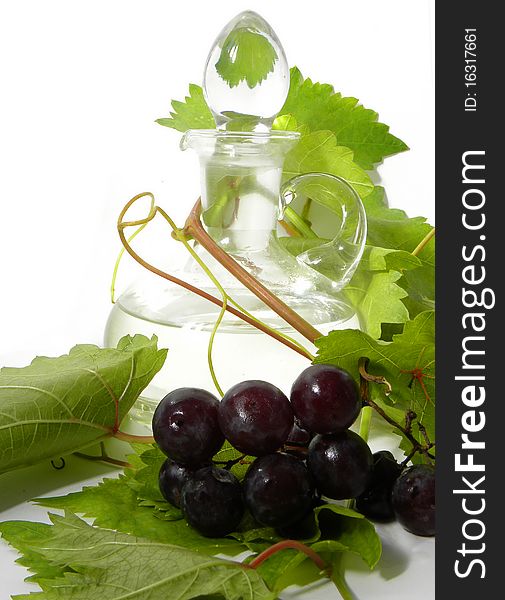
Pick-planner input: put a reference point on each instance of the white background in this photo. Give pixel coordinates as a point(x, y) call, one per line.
point(81, 83)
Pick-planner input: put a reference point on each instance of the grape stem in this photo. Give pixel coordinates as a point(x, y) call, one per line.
point(365, 379)
point(365, 422)
point(292, 545)
point(306, 209)
point(366, 412)
point(299, 223)
point(228, 464)
point(337, 576)
point(300, 450)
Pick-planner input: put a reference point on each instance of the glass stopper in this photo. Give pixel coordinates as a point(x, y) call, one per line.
point(246, 79)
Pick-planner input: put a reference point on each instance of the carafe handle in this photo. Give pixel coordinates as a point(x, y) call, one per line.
point(337, 258)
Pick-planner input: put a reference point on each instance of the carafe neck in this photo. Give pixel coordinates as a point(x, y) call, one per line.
point(241, 175)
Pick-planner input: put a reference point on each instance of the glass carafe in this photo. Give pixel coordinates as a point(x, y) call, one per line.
point(244, 196)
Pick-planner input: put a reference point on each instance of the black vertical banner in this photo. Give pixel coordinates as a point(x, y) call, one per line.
point(470, 256)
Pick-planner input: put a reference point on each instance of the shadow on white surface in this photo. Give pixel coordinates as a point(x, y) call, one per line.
point(25, 484)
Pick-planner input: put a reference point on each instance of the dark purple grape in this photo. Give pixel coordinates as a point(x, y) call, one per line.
point(376, 502)
point(299, 436)
point(340, 464)
point(256, 417)
point(186, 427)
point(172, 478)
point(212, 502)
point(325, 399)
point(303, 529)
point(278, 490)
point(414, 499)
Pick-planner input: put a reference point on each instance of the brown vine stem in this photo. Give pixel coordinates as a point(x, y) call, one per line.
point(293, 545)
point(132, 438)
point(105, 458)
point(228, 464)
point(365, 378)
point(289, 229)
point(422, 244)
point(195, 229)
point(122, 225)
point(300, 450)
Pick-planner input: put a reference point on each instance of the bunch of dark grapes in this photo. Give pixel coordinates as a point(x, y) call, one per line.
point(303, 449)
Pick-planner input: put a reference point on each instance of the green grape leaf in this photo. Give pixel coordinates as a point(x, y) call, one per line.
point(287, 568)
point(397, 361)
point(311, 106)
point(389, 330)
point(56, 406)
point(246, 55)
point(319, 107)
point(350, 530)
point(229, 454)
point(143, 478)
point(114, 504)
point(239, 121)
point(106, 565)
point(375, 292)
point(225, 191)
point(390, 284)
point(117, 504)
point(420, 285)
point(25, 535)
point(392, 228)
point(193, 113)
point(378, 300)
point(288, 123)
point(297, 245)
point(338, 530)
point(318, 152)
